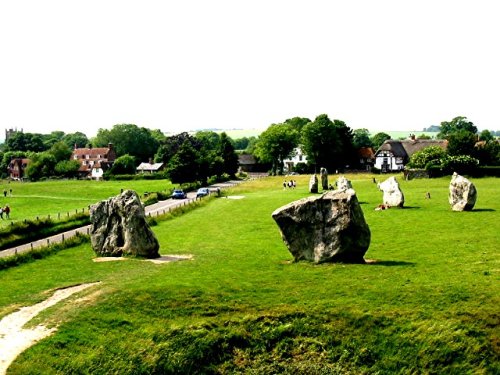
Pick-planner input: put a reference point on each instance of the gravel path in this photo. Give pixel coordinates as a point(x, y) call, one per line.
point(14, 339)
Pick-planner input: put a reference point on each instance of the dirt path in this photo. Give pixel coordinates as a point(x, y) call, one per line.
point(14, 339)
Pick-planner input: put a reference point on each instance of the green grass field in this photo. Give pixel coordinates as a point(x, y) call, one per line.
point(41, 199)
point(429, 304)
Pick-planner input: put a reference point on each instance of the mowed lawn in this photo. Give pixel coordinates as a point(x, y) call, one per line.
point(32, 199)
point(429, 303)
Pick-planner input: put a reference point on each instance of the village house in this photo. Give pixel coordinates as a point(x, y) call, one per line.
point(17, 168)
point(298, 156)
point(366, 157)
point(150, 167)
point(393, 155)
point(94, 161)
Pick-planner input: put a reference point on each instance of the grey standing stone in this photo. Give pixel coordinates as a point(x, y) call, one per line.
point(343, 183)
point(393, 195)
point(324, 178)
point(119, 227)
point(329, 228)
point(463, 193)
point(313, 184)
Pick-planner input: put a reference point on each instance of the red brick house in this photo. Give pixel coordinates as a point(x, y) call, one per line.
point(94, 161)
point(17, 167)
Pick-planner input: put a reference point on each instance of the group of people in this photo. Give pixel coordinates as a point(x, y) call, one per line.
point(5, 210)
point(292, 184)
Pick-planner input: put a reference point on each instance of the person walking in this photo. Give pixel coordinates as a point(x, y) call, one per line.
point(6, 209)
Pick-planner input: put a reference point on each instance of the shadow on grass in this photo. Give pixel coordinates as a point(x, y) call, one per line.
point(389, 263)
point(411, 207)
point(483, 210)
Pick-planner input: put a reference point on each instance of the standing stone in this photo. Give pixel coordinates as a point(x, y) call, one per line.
point(463, 193)
point(343, 183)
point(313, 184)
point(329, 228)
point(119, 227)
point(324, 178)
point(393, 196)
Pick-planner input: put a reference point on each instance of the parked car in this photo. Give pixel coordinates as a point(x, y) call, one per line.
point(178, 194)
point(202, 192)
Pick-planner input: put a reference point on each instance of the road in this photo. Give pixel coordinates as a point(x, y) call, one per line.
point(152, 210)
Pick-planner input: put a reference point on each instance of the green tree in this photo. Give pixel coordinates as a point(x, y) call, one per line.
point(128, 139)
point(298, 123)
point(461, 142)
point(361, 138)
point(227, 153)
point(54, 137)
point(67, 168)
point(7, 158)
point(183, 166)
point(486, 136)
point(458, 124)
point(61, 151)
point(379, 138)
point(41, 165)
point(328, 143)
point(276, 144)
point(77, 139)
point(172, 144)
point(422, 158)
point(124, 164)
point(25, 142)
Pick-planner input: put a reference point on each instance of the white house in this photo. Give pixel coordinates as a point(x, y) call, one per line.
point(393, 155)
point(298, 157)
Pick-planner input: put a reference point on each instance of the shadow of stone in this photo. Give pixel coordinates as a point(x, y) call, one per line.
point(483, 210)
point(389, 263)
point(411, 207)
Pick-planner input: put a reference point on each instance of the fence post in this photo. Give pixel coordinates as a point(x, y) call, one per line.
point(48, 241)
point(58, 215)
point(48, 217)
point(31, 245)
point(62, 237)
point(88, 231)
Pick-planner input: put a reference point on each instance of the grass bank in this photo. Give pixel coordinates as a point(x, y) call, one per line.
point(428, 305)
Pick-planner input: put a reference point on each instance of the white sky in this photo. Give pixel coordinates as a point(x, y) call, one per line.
point(184, 65)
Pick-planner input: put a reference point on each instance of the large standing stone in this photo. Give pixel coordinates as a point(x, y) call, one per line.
point(343, 183)
point(119, 227)
point(329, 228)
point(324, 178)
point(463, 193)
point(313, 184)
point(393, 196)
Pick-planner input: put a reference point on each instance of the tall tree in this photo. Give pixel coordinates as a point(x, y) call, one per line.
point(461, 142)
point(77, 139)
point(227, 153)
point(183, 166)
point(379, 138)
point(298, 123)
point(276, 144)
point(459, 123)
point(361, 138)
point(328, 143)
point(128, 139)
point(169, 147)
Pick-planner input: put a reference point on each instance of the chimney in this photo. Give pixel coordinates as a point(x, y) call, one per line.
point(412, 137)
point(150, 160)
point(110, 146)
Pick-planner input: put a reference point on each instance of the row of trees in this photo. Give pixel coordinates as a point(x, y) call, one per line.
point(187, 158)
point(327, 143)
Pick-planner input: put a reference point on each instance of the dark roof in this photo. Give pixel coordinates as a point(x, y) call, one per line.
point(246, 159)
point(407, 147)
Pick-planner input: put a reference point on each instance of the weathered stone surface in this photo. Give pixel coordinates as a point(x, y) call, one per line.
point(393, 196)
point(329, 228)
point(119, 227)
point(463, 193)
point(343, 183)
point(313, 184)
point(324, 178)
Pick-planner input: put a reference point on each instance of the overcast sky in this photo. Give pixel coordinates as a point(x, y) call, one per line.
point(185, 65)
